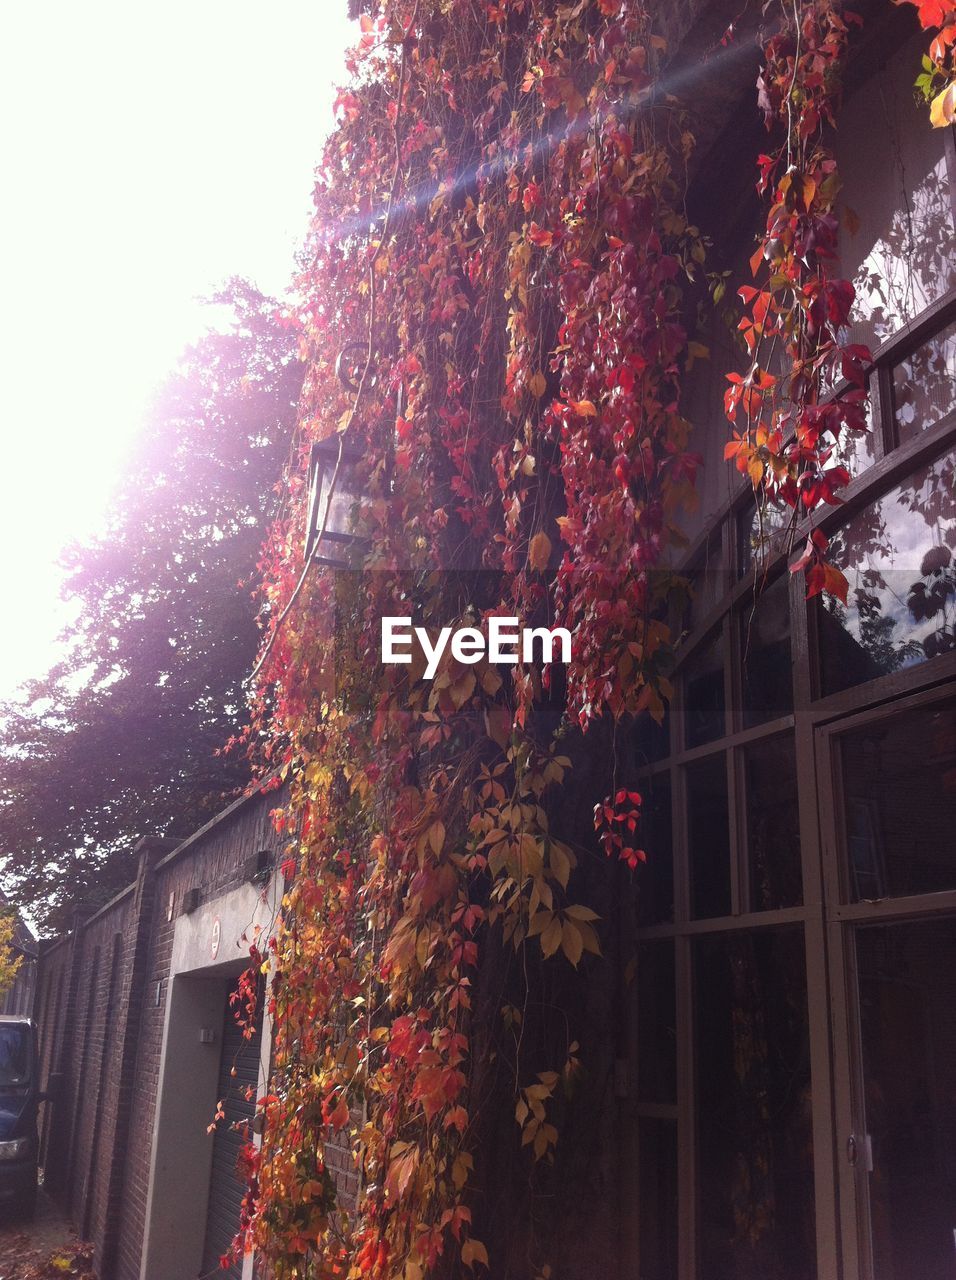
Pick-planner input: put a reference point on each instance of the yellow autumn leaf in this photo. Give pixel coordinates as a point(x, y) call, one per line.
point(560, 863)
point(572, 942)
point(551, 937)
point(942, 110)
point(473, 1251)
point(490, 681)
point(539, 552)
point(436, 836)
point(537, 385)
point(460, 1169)
point(540, 921)
point(578, 912)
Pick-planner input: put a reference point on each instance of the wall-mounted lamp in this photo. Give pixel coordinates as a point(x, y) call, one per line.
point(337, 456)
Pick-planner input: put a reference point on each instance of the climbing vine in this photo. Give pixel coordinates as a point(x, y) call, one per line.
point(937, 81)
point(500, 225)
point(805, 390)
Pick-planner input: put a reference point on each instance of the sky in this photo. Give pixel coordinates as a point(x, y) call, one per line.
point(149, 152)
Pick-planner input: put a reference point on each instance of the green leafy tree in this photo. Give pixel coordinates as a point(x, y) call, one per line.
point(10, 956)
point(124, 736)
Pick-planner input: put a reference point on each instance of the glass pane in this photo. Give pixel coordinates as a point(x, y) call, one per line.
point(338, 518)
point(761, 535)
point(907, 975)
point(655, 877)
point(656, 1023)
point(707, 582)
point(898, 558)
point(704, 694)
point(897, 248)
point(899, 792)
point(652, 740)
point(773, 825)
point(767, 678)
point(924, 385)
point(14, 1054)
point(856, 450)
point(708, 835)
point(755, 1202)
point(657, 1243)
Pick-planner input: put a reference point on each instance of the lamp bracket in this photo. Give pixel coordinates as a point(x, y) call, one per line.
point(343, 365)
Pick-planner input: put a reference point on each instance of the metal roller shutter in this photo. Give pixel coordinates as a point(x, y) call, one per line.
point(225, 1186)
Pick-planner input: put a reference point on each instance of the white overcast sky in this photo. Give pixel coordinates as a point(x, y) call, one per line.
point(149, 152)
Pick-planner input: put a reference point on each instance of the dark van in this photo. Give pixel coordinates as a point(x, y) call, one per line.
point(19, 1096)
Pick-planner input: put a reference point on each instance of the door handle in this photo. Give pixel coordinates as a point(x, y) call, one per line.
point(857, 1148)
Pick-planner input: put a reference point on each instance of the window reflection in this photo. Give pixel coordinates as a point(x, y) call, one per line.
point(924, 385)
point(657, 1023)
point(655, 877)
point(767, 678)
point(856, 450)
point(652, 740)
point(762, 534)
point(658, 1199)
point(773, 825)
point(707, 581)
point(899, 789)
point(898, 556)
point(704, 694)
point(708, 835)
point(756, 1212)
point(897, 241)
point(907, 975)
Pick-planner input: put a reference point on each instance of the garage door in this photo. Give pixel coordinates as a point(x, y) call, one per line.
point(226, 1187)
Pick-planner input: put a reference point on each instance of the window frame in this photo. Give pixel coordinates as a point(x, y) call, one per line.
point(824, 914)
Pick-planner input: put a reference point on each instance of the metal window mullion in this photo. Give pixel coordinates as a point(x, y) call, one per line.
point(686, 1114)
point(734, 723)
point(949, 150)
point(740, 903)
point(884, 418)
point(686, 1110)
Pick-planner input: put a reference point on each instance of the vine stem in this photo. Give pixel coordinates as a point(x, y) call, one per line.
point(373, 298)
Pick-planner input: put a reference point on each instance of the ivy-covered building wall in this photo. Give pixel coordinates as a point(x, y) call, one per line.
point(640, 321)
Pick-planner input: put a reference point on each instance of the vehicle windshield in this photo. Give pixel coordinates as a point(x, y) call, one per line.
point(15, 1044)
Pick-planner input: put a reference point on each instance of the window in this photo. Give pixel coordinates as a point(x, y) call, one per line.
point(773, 824)
point(806, 789)
point(708, 837)
point(766, 679)
point(924, 385)
point(15, 1054)
point(898, 557)
point(753, 1108)
point(704, 693)
point(899, 789)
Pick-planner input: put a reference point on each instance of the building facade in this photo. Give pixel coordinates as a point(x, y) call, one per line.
point(783, 1107)
point(794, 1034)
point(140, 1048)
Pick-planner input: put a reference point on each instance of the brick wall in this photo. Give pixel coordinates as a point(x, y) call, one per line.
point(100, 1010)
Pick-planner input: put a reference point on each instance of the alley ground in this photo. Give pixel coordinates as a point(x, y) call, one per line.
point(44, 1249)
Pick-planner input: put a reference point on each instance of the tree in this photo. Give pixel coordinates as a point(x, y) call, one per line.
point(10, 958)
point(124, 736)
